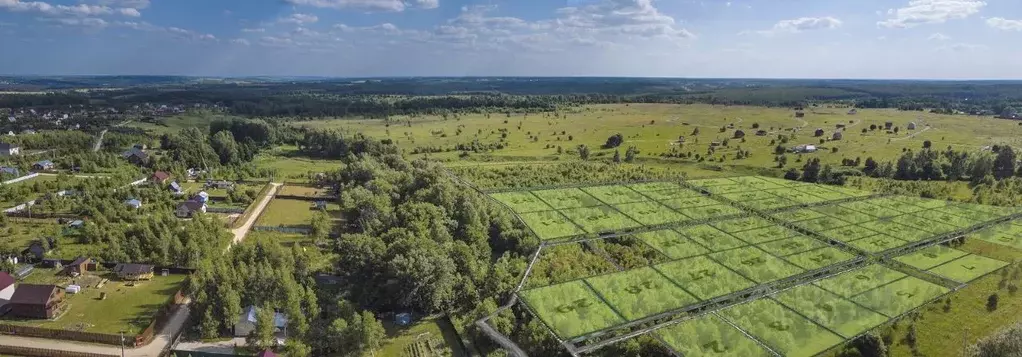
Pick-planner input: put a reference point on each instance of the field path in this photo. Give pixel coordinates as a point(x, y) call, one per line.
point(927, 128)
point(241, 232)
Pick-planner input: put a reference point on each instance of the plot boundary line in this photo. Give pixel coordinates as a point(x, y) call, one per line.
point(803, 316)
point(604, 300)
point(747, 334)
point(973, 279)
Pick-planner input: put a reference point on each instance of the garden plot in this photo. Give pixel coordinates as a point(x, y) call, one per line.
point(757, 182)
point(712, 182)
point(567, 198)
point(742, 197)
point(1006, 234)
point(551, 225)
point(712, 238)
point(771, 203)
point(521, 201)
point(848, 233)
point(923, 224)
point(896, 230)
point(779, 181)
point(900, 296)
point(993, 210)
point(654, 186)
point(858, 281)
point(968, 268)
point(954, 220)
point(765, 234)
point(784, 330)
point(742, 224)
point(798, 215)
point(639, 293)
point(921, 202)
point(756, 264)
point(821, 192)
point(671, 194)
point(794, 245)
point(672, 244)
point(721, 190)
point(614, 194)
point(690, 202)
point(570, 309)
point(703, 277)
point(850, 191)
point(822, 224)
point(706, 212)
point(844, 214)
point(930, 257)
point(969, 212)
point(877, 243)
point(893, 203)
point(599, 219)
point(870, 209)
point(708, 335)
point(650, 213)
point(830, 310)
point(819, 258)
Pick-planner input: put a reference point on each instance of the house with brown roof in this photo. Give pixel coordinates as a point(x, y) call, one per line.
point(159, 177)
point(187, 209)
point(131, 271)
point(36, 301)
point(79, 266)
point(6, 287)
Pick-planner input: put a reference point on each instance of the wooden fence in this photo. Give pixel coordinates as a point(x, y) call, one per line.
point(290, 230)
point(42, 352)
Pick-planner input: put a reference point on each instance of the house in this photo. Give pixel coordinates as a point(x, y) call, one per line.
point(131, 271)
point(220, 184)
point(7, 170)
point(187, 209)
point(77, 224)
point(43, 165)
point(761, 133)
point(159, 177)
point(912, 126)
point(888, 125)
point(35, 252)
point(266, 353)
point(134, 203)
point(739, 134)
point(136, 156)
point(79, 266)
point(9, 149)
point(804, 148)
point(836, 136)
point(853, 112)
point(6, 286)
point(175, 188)
point(819, 132)
point(201, 197)
point(800, 114)
point(36, 301)
point(247, 322)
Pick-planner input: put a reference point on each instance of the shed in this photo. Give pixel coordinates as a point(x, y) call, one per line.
point(136, 156)
point(247, 322)
point(187, 209)
point(79, 266)
point(36, 301)
point(133, 203)
point(160, 177)
point(403, 319)
point(761, 133)
point(132, 271)
point(175, 187)
point(35, 252)
point(818, 132)
point(800, 114)
point(12, 171)
point(888, 125)
point(912, 126)
point(43, 165)
point(836, 136)
point(739, 134)
point(76, 224)
point(853, 112)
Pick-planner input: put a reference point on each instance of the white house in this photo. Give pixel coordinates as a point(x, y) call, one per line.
point(6, 287)
point(247, 322)
point(804, 148)
point(9, 149)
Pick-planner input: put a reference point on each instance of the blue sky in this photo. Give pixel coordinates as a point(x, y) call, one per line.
point(925, 39)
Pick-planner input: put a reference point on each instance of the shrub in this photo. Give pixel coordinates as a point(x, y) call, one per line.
point(992, 302)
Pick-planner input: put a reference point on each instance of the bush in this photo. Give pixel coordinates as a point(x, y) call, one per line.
point(992, 302)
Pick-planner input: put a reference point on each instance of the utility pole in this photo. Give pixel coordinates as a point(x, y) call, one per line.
point(122, 343)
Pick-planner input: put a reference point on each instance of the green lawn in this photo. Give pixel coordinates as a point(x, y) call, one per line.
point(551, 225)
point(128, 308)
point(900, 296)
point(704, 278)
point(756, 264)
point(419, 339)
point(781, 328)
point(292, 213)
point(571, 309)
point(855, 282)
point(292, 166)
point(639, 293)
point(19, 234)
point(708, 335)
point(599, 219)
point(830, 310)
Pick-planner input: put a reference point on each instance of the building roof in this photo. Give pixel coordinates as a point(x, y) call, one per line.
point(133, 268)
point(6, 146)
point(133, 202)
point(81, 260)
point(77, 222)
point(191, 205)
point(5, 280)
point(9, 170)
point(44, 163)
point(161, 175)
point(32, 294)
point(175, 186)
point(279, 319)
point(135, 152)
point(266, 353)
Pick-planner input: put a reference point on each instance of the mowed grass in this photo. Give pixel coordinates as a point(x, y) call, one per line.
point(782, 329)
point(672, 244)
point(741, 224)
point(551, 225)
point(819, 258)
point(793, 245)
point(899, 296)
point(292, 213)
point(1006, 234)
point(639, 293)
point(704, 277)
point(830, 310)
point(968, 268)
point(756, 264)
point(567, 198)
point(650, 213)
point(614, 194)
point(708, 335)
point(521, 201)
point(765, 234)
point(128, 308)
point(712, 238)
point(289, 164)
point(858, 281)
point(930, 257)
point(599, 219)
point(571, 309)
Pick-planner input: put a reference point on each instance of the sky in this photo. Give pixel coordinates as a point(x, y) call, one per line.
point(871, 39)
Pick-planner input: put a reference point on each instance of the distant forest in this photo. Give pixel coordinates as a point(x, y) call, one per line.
point(398, 96)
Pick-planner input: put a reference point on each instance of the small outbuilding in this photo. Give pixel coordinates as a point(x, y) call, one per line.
point(132, 271)
point(819, 132)
point(836, 136)
point(160, 177)
point(853, 112)
point(761, 133)
point(133, 203)
point(739, 134)
point(912, 126)
point(79, 266)
point(247, 322)
point(888, 125)
point(800, 114)
point(43, 165)
point(6, 287)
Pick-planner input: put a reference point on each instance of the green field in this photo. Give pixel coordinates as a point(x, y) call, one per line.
point(551, 225)
point(671, 194)
point(292, 213)
point(571, 309)
point(521, 201)
point(858, 281)
point(655, 186)
point(289, 164)
point(756, 264)
point(765, 234)
point(819, 258)
point(930, 257)
point(968, 268)
point(712, 238)
point(672, 244)
point(599, 219)
point(897, 230)
point(822, 223)
point(650, 213)
point(690, 202)
point(830, 310)
point(782, 329)
point(614, 194)
point(877, 243)
point(899, 296)
point(793, 245)
point(707, 212)
point(707, 335)
point(742, 224)
point(1006, 234)
point(567, 198)
point(639, 293)
point(703, 277)
point(844, 214)
point(803, 214)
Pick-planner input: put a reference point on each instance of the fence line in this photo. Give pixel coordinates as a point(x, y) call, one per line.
point(251, 207)
point(281, 229)
point(43, 352)
point(19, 179)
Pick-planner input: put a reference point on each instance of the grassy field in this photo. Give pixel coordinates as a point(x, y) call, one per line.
point(21, 232)
point(656, 128)
point(708, 335)
point(293, 213)
point(423, 338)
point(782, 329)
point(128, 308)
point(571, 309)
point(703, 277)
point(640, 292)
point(291, 166)
point(830, 310)
point(756, 264)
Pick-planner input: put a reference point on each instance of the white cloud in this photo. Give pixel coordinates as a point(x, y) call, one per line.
point(961, 47)
point(253, 30)
point(86, 22)
point(1004, 24)
point(938, 37)
point(919, 12)
point(47, 9)
point(799, 25)
point(240, 41)
point(300, 19)
point(621, 17)
point(134, 4)
point(370, 5)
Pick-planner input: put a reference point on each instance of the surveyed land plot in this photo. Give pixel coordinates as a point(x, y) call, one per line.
point(877, 243)
point(821, 192)
point(551, 225)
point(742, 224)
point(923, 224)
point(770, 203)
point(571, 309)
point(784, 330)
point(848, 233)
point(706, 212)
point(639, 293)
point(971, 212)
point(968, 268)
point(793, 245)
point(654, 186)
point(798, 215)
point(765, 234)
point(708, 335)
point(850, 191)
point(921, 202)
point(712, 182)
point(930, 257)
point(599, 219)
point(712, 238)
point(858, 281)
point(797, 196)
point(671, 194)
point(823, 223)
point(892, 203)
point(690, 202)
point(1006, 234)
point(897, 230)
point(868, 208)
point(900, 296)
point(672, 244)
point(830, 310)
point(749, 196)
point(951, 219)
point(819, 258)
point(722, 190)
point(522, 201)
point(650, 213)
point(567, 198)
point(756, 264)
point(844, 214)
point(703, 277)
point(614, 194)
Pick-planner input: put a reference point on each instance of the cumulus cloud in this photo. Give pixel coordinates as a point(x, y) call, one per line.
point(624, 17)
point(84, 10)
point(86, 22)
point(801, 24)
point(134, 4)
point(241, 41)
point(369, 5)
point(300, 19)
point(961, 47)
point(1001, 23)
point(253, 30)
point(919, 12)
point(938, 37)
